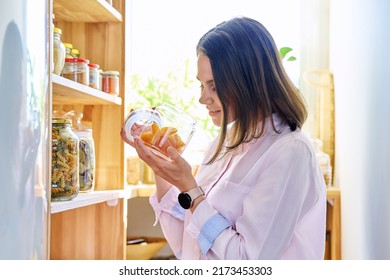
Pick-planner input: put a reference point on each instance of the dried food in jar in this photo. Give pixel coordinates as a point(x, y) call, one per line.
point(65, 161)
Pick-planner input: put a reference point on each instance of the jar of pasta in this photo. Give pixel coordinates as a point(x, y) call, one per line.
point(65, 161)
point(86, 153)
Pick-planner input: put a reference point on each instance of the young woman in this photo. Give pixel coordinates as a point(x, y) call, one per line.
point(259, 193)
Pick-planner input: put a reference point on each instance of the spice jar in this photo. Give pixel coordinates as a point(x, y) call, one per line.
point(58, 51)
point(76, 69)
point(94, 75)
point(86, 151)
point(65, 161)
point(110, 82)
point(68, 50)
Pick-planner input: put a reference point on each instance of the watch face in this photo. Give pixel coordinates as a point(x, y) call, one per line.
point(185, 200)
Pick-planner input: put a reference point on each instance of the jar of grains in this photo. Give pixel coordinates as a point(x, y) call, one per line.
point(58, 51)
point(76, 69)
point(65, 161)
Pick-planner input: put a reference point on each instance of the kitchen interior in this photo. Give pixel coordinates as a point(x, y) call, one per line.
point(344, 79)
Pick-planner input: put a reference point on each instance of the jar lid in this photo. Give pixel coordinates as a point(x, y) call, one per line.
point(57, 30)
point(61, 120)
point(75, 59)
point(93, 65)
point(75, 51)
point(68, 45)
point(111, 72)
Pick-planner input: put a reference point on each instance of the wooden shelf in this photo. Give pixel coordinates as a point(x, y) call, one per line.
point(85, 11)
point(95, 197)
point(66, 91)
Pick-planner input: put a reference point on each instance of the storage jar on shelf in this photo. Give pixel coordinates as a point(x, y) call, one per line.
point(58, 51)
point(110, 82)
point(76, 69)
point(65, 161)
point(86, 152)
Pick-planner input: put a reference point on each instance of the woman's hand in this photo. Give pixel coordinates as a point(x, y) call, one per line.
point(177, 172)
point(136, 130)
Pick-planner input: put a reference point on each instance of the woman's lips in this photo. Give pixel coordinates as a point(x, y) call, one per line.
point(214, 113)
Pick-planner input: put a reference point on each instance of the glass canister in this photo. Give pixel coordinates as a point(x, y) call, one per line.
point(68, 50)
point(65, 161)
point(87, 152)
point(94, 80)
point(75, 53)
point(110, 82)
point(76, 69)
point(58, 51)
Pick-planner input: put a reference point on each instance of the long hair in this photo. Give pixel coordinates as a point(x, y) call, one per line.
point(250, 81)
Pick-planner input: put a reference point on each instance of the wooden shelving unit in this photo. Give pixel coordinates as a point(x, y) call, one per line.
point(93, 225)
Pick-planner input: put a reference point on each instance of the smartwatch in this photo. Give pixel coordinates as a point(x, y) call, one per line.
point(186, 199)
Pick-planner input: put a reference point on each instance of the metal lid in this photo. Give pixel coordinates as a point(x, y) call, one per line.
point(61, 121)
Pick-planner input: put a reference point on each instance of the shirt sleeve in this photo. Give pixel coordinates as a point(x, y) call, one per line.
point(282, 190)
point(171, 217)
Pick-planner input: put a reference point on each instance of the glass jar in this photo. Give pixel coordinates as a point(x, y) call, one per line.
point(76, 69)
point(324, 161)
point(75, 53)
point(86, 152)
point(65, 161)
point(68, 50)
point(94, 75)
point(58, 51)
point(110, 82)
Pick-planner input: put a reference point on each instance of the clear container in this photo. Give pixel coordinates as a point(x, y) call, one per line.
point(58, 51)
point(161, 127)
point(94, 75)
point(68, 50)
point(324, 161)
point(76, 69)
point(110, 82)
point(75, 53)
point(87, 163)
point(65, 161)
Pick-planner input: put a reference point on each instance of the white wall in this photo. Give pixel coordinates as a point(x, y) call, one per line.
point(360, 61)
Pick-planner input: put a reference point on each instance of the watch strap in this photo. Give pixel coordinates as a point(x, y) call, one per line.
point(195, 192)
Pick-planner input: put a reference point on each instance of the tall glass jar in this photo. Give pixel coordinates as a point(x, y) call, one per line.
point(94, 75)
point(58, 51)
point(65, 161)
point(87, 152)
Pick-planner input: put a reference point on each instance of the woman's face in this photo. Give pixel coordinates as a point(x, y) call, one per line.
point(209, 96)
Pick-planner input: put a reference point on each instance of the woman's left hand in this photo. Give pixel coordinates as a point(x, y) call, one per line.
point(177, 171)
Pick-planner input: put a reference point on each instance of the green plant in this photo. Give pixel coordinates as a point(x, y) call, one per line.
point(284, 51)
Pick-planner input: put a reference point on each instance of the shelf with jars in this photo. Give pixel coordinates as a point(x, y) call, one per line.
point(92, 225)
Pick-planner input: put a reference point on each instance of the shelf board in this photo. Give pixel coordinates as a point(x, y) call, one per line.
point(66, 91)
point(85, 11)
point(95, 197)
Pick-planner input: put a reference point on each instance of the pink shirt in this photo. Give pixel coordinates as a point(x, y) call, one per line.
point(266, 200)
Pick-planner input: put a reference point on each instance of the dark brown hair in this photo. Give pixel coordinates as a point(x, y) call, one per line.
point(250, 80)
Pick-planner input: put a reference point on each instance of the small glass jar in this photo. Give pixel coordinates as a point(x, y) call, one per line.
point(101, 79)
point(65, 161)
point(76, 69)
point(94, 75)
point(86, 153)
point(110, 82)
point(68, 50)
point(58, 51)
point(75, 53)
